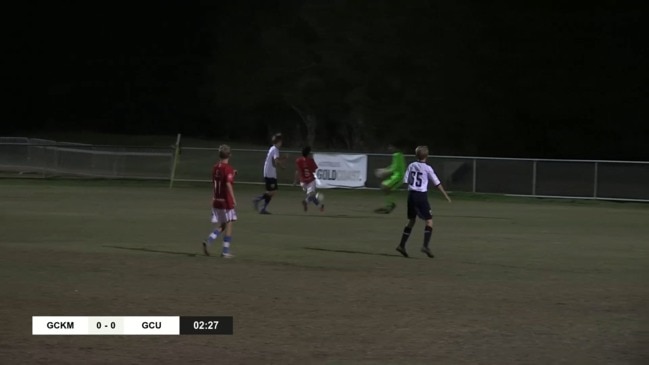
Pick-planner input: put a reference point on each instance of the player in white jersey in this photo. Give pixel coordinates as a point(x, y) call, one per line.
point(273, 160)
point(418, 175)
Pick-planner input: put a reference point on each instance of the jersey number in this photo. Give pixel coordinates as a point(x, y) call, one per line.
point(414, 179)
point(306, 173)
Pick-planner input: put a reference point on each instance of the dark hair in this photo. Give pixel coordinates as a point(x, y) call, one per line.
point(277, 137)
point(306, 151)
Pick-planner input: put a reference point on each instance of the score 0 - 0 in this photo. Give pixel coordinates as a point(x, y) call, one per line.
point(105, 325)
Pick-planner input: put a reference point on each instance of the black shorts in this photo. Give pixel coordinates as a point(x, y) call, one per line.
point(271, 183)
point(418, 205)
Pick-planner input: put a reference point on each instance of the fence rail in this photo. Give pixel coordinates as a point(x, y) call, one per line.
point(576, 179)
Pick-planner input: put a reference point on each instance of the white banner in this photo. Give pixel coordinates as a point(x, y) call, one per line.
point(337, 170)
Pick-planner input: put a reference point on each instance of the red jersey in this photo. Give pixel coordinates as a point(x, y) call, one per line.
point(222, 173)
point(306, 167)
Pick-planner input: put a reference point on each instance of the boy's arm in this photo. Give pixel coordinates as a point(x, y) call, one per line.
point(441, 188)
point(278, 161)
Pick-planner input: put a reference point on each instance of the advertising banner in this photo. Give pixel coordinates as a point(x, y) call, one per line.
point(337, 170)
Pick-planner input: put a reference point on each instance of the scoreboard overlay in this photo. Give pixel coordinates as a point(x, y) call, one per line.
point(132, 325)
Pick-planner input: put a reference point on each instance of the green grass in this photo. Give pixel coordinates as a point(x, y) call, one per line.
point(514, 281)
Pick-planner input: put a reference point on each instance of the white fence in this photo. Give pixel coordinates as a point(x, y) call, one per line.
point(45, 158)
point(579, 179)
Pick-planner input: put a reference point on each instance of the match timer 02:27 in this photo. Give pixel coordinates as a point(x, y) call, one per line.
point(190, 325)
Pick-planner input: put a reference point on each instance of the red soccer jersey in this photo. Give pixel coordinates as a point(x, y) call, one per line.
point(306, 167)
point(222, 173)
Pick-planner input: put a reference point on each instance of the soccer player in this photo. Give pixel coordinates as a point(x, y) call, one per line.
point(394, 180)
point(273, 160)
point(418, 176)
point(223, 203)
point(305, 168)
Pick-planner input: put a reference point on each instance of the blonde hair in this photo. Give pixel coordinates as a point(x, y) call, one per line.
point(421, 152)
point(224, 151)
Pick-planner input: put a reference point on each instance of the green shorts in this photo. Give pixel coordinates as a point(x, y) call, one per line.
point(393, 182)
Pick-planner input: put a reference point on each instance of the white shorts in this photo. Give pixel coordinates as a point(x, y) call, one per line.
point(223, 215)
point(309, 188)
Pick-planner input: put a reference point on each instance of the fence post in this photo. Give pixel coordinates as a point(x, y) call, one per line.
point(175, 161)
point(474, 173)
point(534, 177)
point(595, 179)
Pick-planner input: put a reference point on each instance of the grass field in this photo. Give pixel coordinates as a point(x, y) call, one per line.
point(514, 281)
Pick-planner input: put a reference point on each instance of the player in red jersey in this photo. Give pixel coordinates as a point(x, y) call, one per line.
point(223, 202)
point(305, 168)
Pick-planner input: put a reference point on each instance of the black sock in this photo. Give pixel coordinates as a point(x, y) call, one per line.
point(267, 198)
point(428, 231)
point(405, 235)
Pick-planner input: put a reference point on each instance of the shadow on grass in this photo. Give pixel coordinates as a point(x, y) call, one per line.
point(352, 252)
point(473, 217)
point(143, 249)
point(325, 215)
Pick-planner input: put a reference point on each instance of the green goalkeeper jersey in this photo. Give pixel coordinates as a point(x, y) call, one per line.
point(398, 165)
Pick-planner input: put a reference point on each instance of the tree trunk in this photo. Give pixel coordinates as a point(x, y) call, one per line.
point(310, 122)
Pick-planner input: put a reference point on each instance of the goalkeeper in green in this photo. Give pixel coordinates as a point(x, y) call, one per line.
point(393, 179)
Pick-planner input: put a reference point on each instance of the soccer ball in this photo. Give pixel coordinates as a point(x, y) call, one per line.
point(320, 197)
point(381, 173)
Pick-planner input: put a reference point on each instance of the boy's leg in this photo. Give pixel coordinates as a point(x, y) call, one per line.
point(428, 232)
point(428, 229)
point(207, 243)
point(388, 187)
point(227, 240)
point(271, 190)
point(271, 186)
point(389, 199)
point(404, 237)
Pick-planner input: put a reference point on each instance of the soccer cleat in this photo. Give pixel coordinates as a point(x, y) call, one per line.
point(304, 205)
point(322, 207)
point(264, 211)
point(426, 250)
point(381, 210)
point(402, 251)
point(227, 255)
point(205, 251)
point(390, 208)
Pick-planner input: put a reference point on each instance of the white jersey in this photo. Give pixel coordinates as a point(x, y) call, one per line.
point(418, 175)
point(269, 168)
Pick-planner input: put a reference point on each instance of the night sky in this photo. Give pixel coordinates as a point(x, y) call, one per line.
point(517, 79)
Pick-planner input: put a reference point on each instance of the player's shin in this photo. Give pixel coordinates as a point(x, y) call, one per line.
point(405, 235)
point(226, 244)
point(227, 238)
point(212, 237)
point(313, 198)
point(267, 199)
point(428, 232)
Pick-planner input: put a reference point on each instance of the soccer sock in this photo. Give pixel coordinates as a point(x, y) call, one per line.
point(428, 231)
point(313, 199)
point(405, 235)
point(212, 237)
point(226, 244)
point(267, 198)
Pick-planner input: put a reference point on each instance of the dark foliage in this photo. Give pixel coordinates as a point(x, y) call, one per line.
point(465, 78)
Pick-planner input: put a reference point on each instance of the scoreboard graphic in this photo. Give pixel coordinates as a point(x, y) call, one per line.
point(132, 325)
